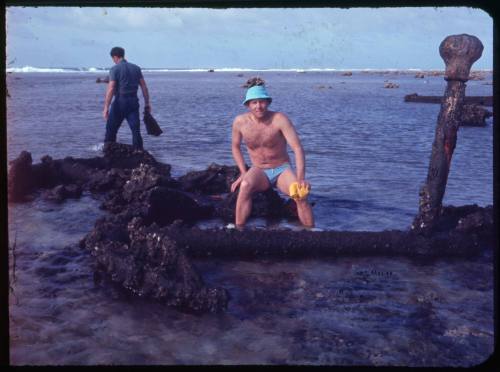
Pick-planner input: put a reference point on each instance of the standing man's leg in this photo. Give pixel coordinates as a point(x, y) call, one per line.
point(254, 181)
point(304, 209)
point(134, 123)
point(115, 119)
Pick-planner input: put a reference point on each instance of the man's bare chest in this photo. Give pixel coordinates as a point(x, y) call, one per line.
point(261, 136)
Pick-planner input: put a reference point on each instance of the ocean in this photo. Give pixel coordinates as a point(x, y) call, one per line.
point(367, 153)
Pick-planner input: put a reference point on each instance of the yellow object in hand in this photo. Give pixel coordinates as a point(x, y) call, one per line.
point(298, 192)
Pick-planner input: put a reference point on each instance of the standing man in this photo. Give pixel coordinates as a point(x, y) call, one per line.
point(266, 134)
point(124, 80)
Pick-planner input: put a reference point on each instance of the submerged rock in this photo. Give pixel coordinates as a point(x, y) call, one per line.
point(63, 192)
point(149, 264)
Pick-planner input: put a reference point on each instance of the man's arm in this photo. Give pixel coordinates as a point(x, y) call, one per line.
point(145, 93)
point(293, 141)
point(110, 91)
point(237, 154)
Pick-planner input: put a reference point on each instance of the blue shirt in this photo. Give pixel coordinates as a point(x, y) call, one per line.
point(127, 76)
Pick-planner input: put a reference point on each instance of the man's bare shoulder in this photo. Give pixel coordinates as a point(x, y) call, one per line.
point(281, 118)
point(240, 119)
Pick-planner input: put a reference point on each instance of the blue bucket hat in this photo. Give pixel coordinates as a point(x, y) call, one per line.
point(257, 92)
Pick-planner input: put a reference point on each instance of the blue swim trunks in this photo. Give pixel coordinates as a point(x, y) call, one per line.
point(273, 173)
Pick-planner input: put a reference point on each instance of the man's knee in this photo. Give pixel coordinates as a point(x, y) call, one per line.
point(246, 187)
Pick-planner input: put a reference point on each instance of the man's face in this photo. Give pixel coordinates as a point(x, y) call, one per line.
point(115, 59)
point(258, 107)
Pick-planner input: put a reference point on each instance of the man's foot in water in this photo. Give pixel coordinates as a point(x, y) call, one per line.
point(230, 226)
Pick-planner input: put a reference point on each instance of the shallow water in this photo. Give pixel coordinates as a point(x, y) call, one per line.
point(367, 154)
point(347, 311)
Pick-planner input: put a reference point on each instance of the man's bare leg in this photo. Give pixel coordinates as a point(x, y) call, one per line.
point(254, 181)
point(304, 209)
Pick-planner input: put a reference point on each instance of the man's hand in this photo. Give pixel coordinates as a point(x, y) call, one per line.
point(304, 183)
point(105, 113)
point(236, 183)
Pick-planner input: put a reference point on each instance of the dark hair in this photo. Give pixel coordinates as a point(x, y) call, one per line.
point(117, 52)
point(253, 82)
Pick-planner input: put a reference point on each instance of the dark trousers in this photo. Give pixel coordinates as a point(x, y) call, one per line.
point(124, 108)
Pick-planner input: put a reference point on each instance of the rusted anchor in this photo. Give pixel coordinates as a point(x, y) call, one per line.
point(459, 53)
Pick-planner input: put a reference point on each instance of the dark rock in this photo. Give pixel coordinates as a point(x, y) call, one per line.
point(62, 192)
point(99, 174)
point(216, 179)
point(20, 180)
point(141, 179)
point(123, 156)
point(474, 115)
point(110, 228)
point(150, 265)
point(467, 218)
point(163, 206)
point(391, 85)
point(79, 171)
point(106, 180)
point(73, 191)
point(114, 202)
point(147, 194)
point(347, 73)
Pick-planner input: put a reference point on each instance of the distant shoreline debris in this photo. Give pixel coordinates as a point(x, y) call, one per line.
point(478, 100)
point(390, 85)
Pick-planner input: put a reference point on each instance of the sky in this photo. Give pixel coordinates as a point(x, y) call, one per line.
point(257, 38)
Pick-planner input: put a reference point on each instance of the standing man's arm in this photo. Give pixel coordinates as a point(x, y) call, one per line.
point(237, 154)
point(110, 91)
point(145, 94)
point(293, 141)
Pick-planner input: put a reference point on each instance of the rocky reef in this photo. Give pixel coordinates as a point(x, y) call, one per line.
point(146, 240)
point(130, 244)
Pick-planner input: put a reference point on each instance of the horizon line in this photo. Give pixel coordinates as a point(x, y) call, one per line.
point(91, 69)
